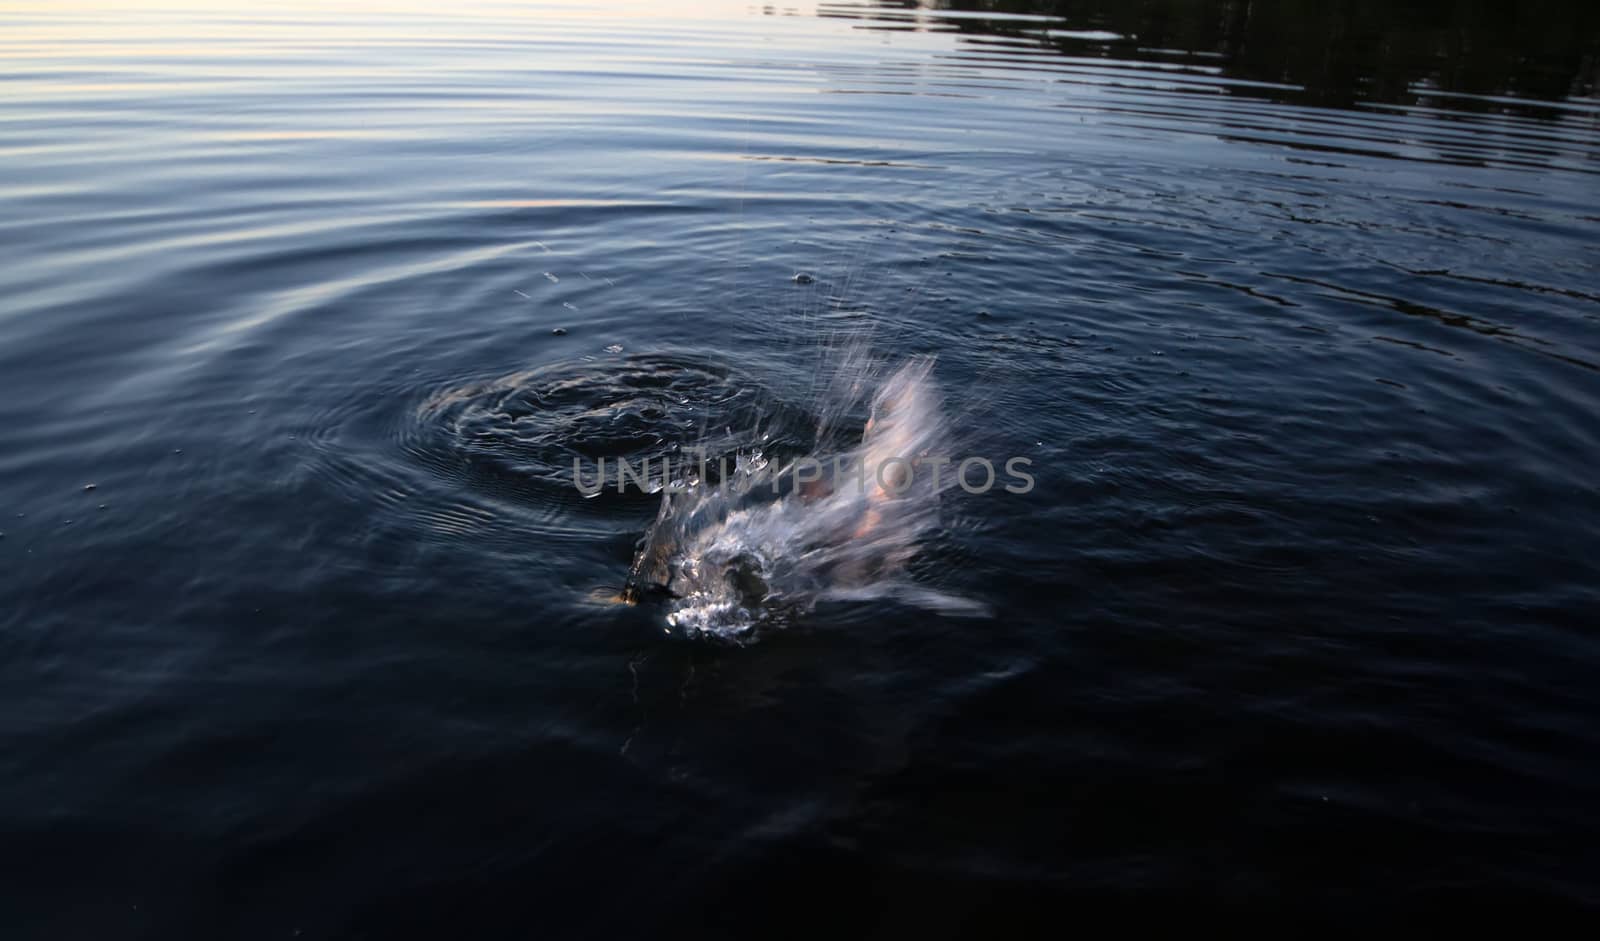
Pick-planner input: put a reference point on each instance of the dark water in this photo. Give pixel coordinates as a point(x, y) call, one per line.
point(1295, 307)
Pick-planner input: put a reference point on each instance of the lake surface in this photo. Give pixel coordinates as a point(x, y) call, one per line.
point(306, 310)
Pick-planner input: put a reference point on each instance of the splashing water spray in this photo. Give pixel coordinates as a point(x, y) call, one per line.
point(767, 540)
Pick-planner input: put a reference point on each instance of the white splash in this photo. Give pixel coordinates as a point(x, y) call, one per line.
point(769, 542)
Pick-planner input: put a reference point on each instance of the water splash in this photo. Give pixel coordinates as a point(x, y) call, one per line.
point(767, 540)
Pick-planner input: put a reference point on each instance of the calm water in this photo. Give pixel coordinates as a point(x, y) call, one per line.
point(1294, 306)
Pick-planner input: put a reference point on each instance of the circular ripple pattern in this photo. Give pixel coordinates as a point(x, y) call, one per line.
point(534, 427)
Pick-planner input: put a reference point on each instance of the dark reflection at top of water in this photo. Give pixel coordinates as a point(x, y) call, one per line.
point(1538, 59)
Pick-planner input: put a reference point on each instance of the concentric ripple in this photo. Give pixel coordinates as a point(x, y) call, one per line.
point(539, 425)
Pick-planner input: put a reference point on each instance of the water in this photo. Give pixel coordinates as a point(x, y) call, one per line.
point(1292, 306)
